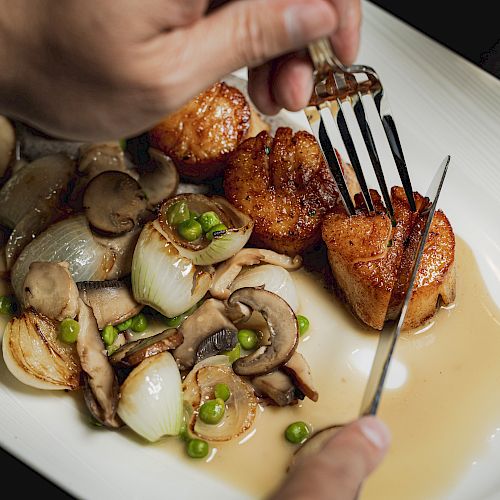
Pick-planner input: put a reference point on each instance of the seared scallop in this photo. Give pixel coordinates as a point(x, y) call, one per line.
point(285, 186)
point(370, 258)
point(199, 136)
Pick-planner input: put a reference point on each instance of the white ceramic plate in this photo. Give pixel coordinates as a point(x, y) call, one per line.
point(50, 431)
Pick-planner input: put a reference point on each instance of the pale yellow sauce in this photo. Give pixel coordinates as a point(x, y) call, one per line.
point(440, 418)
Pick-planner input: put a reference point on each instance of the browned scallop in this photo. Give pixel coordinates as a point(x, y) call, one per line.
point(370, 259)
point(284, 185)
point(199, 136)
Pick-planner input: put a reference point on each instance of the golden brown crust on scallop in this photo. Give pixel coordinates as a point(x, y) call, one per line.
point(371, 279)
point(286, 187)
point(199, 136)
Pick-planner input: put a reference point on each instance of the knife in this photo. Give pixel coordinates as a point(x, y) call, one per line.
point(390, 333)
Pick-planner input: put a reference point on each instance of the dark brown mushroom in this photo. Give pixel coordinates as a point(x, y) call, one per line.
point(112, 301)
point(133, 353)
point(278, 387)
point(50, 290)
point(102, 389)
point(159, 178)
point(209, 319)
point(298, 368)
point(114, 202)
point(283, 331)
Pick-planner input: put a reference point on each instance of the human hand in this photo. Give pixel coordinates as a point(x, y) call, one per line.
point(337, 471)
point(101, 69)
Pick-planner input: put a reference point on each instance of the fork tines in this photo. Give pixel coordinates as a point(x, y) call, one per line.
point(334, 112)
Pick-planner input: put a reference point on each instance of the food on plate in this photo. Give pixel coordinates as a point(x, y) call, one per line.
point(370, 258)
point(7, 145)
point(199, 136)
point(285, 185)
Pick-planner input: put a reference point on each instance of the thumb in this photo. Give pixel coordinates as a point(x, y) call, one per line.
point(338, 469)
point(247, 33)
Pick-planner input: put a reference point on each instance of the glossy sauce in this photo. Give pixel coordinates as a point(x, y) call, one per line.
point(438, 400)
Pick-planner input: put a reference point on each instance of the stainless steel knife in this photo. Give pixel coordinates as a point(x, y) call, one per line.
point(390, 333)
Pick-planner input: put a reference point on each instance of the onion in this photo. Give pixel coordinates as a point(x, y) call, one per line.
point(69, 240)
point(35, 356)
point(162, 278)
point(222, 247)
point(241, 407)
point(151, 398)
point(37, 185)
point(274, 279)
point(7, 144)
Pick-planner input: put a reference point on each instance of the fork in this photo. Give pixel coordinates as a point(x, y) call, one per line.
point(337, 90)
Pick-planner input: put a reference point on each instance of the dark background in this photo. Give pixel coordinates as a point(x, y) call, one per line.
point(470, 29)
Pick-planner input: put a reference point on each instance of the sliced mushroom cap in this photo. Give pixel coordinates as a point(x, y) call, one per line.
point(159, 179)
point(277, 386)
point(209, 319)
point(298, 368)
point(50, 290)
point(283, 331)
point(111, 301)
point(133, 353)
point(227, 272)
point(114, 202)
point(102, 389)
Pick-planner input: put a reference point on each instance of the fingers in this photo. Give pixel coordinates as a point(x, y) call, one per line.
point(245, 33)
point(346, 39)
point(338, 470)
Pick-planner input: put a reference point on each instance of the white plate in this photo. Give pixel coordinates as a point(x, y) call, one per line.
point(439, 110)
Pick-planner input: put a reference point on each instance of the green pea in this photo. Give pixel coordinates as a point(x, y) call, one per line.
point(125, 325)
point(8, 304)
point(212, 411)
point(303, 323)
point(177, 320)
point(139, 323)
point(190, 229)
point(208, 220)
point(221, 391)
point(177, 213)
point(216, 231)
point(197, 448)
point(234, 353)
point(248, 339)
point(123, 144)
point(109, 334)
point(297, 432)
point(194, 215)
point(69, 330)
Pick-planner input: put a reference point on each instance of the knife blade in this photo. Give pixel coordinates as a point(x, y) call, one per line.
point(390, 333)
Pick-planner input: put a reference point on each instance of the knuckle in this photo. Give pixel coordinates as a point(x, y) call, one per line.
point(251, 37)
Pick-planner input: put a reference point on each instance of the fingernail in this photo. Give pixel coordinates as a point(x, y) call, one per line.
point(307, 21)
point(375, 431)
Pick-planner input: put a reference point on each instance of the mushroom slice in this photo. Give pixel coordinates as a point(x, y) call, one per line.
point(277, 386)
point(111, 301)
point(241, 407)
point(102, 389)
point(50, 290)
point(227, 272)
point(133, 353)
point(298, 368)
point(7, 144)
point(159, 179)
point(36, 357)
point(283, 331)
point(114, 202)
point(209, 319)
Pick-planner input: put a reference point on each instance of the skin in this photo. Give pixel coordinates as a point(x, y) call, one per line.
point(100, 69)
point(95, 70)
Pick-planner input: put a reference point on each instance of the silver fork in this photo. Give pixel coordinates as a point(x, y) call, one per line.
point(337, 89)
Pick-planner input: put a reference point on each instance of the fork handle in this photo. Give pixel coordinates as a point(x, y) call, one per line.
point(323, 56)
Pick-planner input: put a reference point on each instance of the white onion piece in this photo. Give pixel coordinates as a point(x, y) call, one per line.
point(7, 144)
point(38, 184)
point(69, 240)
point(163, 279)
point(35, 356)
point(151, 398)
point(274, 279)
